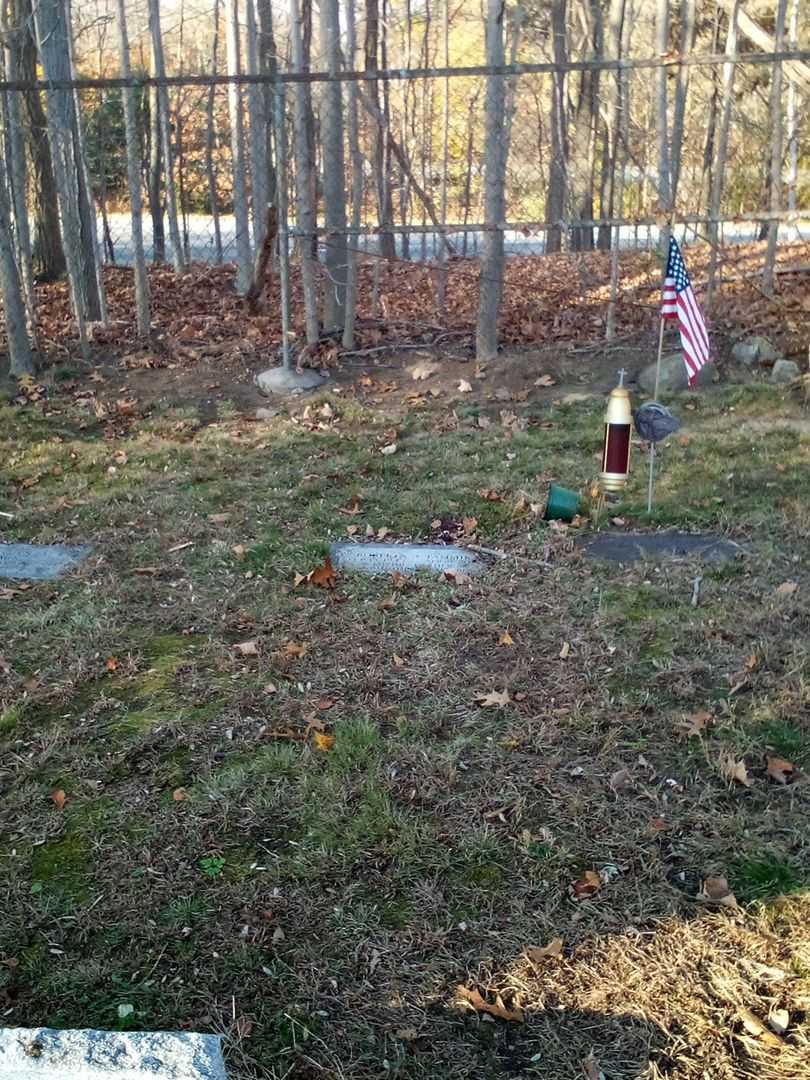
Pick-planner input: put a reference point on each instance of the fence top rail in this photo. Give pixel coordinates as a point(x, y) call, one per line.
point(400, 74)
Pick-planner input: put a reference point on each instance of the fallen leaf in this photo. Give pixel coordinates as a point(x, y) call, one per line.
point(112, 663)
point(715, 890)
point(299, 579)
point(552, 951)
point(457, 577)
point(621, 780)
point(591, 1068)
point(243, 1027)
point(324, 576)
point(351, 510)
point(423, 371)
point(470, 524)
point(565, 650)
point(247, 648)
point(323, 741)
point(695, 723)
point(779, 1020)
point(218, 519)
point(398, 661)
point(494, 698)
point(145, 570)
point(737, 770)
point(239, 551)
point(780, 770)
point(520, 507)
point(787, 588)
point(544, 380)
point(270, 688)
point(506, 638)
point(464, 387)
point(351, 529)
point(382, 533)
point(502, 394)
point(754, 1026)
point(490, 495)
point(391, 448)
point(58, 798)
point(498, 1009)
point(752, 662)
point(180, 794)
point(295, 649)
point(325, 703)
point(583, 888)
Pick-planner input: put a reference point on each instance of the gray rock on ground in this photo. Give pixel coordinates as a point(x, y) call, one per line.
point(279, 380)
point(785, 371)
point(49, 1054)
point(755, 350)
point(673, 375)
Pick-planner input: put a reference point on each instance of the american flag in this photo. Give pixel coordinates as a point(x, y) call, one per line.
point(680, 302)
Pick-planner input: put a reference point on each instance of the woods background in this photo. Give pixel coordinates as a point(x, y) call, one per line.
point(387, 130)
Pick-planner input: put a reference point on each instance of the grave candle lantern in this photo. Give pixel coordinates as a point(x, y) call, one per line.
point(616, 450)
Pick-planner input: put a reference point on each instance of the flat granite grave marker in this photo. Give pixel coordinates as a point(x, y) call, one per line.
point(48, 1054)
point(631, 546)
point(39, 562)
point(405, 558)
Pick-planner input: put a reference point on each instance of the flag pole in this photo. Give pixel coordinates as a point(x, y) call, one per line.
point(655, 398)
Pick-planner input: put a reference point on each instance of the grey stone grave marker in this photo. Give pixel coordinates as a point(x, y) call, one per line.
point(626, 547)
point(405, 558)
point(39, 562)
point(49, 1054)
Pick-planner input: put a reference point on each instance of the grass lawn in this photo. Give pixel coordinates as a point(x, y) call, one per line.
point(326, 847)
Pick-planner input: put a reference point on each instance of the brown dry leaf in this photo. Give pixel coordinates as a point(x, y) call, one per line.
point(247, 648)
point(498, 1009)
point(588, 885)
point(391, 448)
point(787, 588)
point(470, 524)
point(324, 576)
point(754, 1026)
point(552, 951)
point(295, 649)
point(544, 380)
point(352, 510)
point(464, 387)
point(715, 890)
point(58, 798)
point(180, 794)
point(352, 529)
point(270, 688)
point(621, 780)
point(592, 1069)
point(323, 741)
point(146, 571)
point(423, 371)
point(398, 661)
point(382, 533)
point(239, 551)
point(752, 662)
point(457, 577)
point(219, 519)
point(737, 770)
point(520, 507)
point(299, 579)
point(780, 770)
point(243, 1027)
point(695, 723)
point(490, 495)
point(493, 699)
point(484, 422)
point(506, 638)
point(565, 651)
point(112, 663)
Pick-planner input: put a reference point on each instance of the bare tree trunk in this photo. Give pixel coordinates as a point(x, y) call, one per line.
point(613, 107)
point(558, 167)
point(621, 144)
point(581, 161)
point(491, 280)
point(213, 196)
point(49, 258)
point(133, 176)
point(304, 168)
point(664, 175)
point(441, 281)
point(357, 181)
point(378, 153)
point(258, 124)
point(107, 247)
point(240, 207)
point(776, 150)
point(77, 215)
point(707, 170)
point(21, 361)
point(718, 177)
point(268, 65)
point(16, 164)
point(165, 136)
point(792, 125)
point(467, 197)
point(334, 189)
point(155, 177)
point(681, 90)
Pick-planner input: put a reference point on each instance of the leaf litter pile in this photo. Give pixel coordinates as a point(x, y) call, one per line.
point(554, 300)
point(547, 822)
